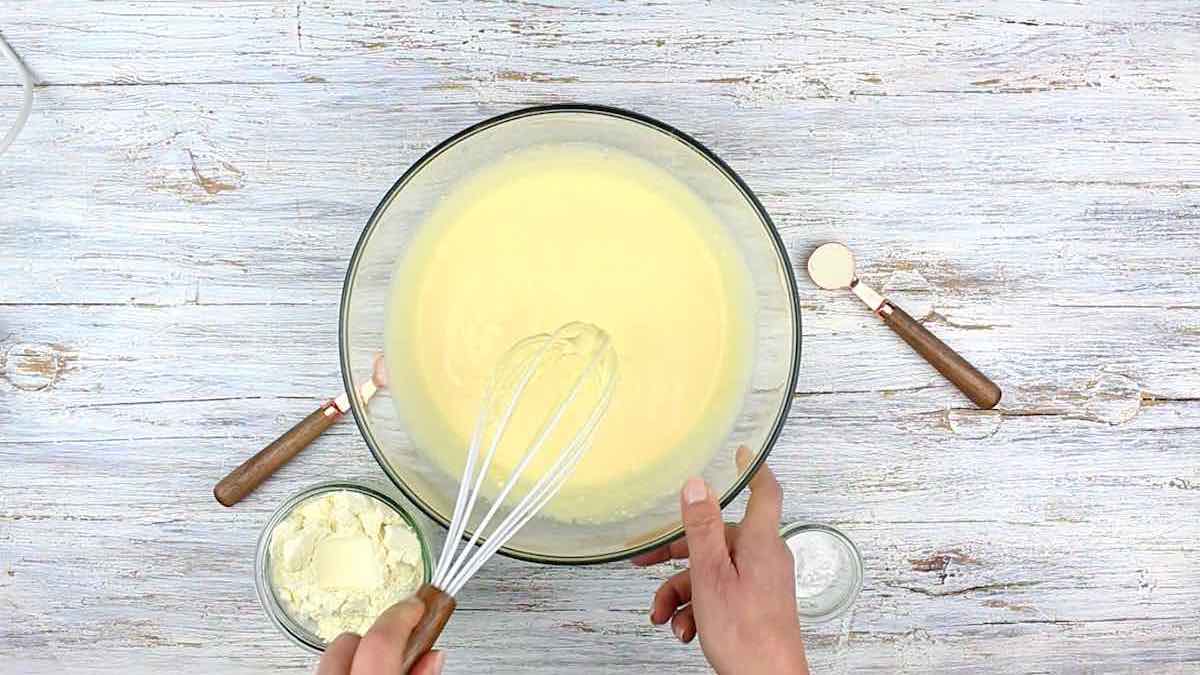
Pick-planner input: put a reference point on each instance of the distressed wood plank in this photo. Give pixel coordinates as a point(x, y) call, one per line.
point(231, 208)
point(175, 223)
point(766, 51)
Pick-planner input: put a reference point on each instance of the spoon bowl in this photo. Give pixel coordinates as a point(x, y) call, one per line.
point(831, 266)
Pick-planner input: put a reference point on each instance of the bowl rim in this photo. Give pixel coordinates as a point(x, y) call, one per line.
point(591, 108)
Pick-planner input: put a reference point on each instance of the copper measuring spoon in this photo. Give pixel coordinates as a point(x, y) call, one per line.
point(240, 482)
point(831, 267)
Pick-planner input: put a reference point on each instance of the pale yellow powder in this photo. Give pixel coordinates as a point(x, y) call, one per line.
point(339, 559)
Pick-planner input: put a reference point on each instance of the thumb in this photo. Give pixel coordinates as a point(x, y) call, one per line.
point(707, 551)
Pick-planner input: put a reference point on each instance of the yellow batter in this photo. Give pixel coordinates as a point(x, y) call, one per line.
point(577, 232)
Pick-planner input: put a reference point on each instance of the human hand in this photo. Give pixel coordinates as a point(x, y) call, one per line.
point(738, 593)
point(381, 650)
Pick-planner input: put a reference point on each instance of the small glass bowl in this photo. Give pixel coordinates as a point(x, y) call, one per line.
point(262, 559)
point(837, 599)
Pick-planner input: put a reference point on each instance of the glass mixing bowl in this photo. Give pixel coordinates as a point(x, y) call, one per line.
point(775, 350)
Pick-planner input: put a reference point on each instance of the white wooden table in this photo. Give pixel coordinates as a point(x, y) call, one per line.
point(176, 219)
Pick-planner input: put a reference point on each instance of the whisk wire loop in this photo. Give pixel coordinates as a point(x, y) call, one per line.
point(466, 498)
point(455, 567)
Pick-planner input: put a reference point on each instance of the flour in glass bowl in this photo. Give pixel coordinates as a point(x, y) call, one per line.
point(819, 559)
point(340, 558)
point(828, 571)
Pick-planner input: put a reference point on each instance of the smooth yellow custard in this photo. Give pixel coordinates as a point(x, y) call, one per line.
point(576, 232)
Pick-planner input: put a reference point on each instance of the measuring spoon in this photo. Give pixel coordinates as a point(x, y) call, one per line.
point(831, 267)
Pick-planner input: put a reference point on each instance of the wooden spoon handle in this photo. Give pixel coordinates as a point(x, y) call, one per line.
point(252, 472)
point(438, 608)
point(982, 391)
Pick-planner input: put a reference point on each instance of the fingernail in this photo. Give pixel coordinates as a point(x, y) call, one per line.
point(678, 630)
point(695, 491)
point(742, 457)
point(439, 660)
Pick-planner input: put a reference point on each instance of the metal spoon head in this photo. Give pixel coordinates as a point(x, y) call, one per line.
point(831, 266)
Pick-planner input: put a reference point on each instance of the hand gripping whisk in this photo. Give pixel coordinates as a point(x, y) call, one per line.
point(553, 389)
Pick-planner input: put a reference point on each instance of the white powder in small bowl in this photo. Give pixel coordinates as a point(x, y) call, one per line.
point(339, 559)
point(819, 559)
point(828, 571)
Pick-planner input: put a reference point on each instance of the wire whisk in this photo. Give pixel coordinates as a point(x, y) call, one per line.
point(554, 387)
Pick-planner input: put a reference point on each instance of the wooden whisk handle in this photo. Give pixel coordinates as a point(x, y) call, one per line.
point(438, 608)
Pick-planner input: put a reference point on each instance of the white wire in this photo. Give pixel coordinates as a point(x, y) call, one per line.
point(461, 515)
point(545, 488)
point(27, 92)
point(453, 534)
point(539, 498)
point(463, 506)
point(530, 452)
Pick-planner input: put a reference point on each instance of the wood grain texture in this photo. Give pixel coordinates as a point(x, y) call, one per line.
point(240, 482)
point(1023, 177)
